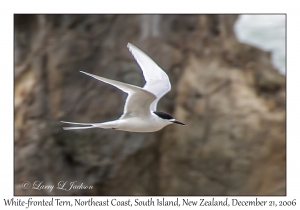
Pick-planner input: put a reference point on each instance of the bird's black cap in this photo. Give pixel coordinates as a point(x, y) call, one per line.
point(164, 115)
point(169, 117)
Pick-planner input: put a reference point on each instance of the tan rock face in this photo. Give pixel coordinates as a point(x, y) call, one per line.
point(228, 93)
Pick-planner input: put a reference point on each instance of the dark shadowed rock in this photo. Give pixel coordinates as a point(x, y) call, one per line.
point(228, 93)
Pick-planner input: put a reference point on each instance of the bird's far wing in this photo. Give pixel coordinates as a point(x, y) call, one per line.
point(157, 81)
point(138, 100)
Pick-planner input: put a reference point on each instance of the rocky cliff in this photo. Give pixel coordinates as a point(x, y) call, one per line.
point(228, 93)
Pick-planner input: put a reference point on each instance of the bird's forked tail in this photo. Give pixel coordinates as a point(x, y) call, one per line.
point(106, 125)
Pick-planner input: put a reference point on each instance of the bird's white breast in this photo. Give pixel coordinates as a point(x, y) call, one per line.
point(136, 124)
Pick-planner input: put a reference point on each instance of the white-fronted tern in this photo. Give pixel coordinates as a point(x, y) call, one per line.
point(139, 114)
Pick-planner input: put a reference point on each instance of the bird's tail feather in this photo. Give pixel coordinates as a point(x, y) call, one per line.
point(77, 123)
point(75, 128)
point(106, 125)
point(86, 125)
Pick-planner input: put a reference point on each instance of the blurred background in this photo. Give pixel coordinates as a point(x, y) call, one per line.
point(228, 85)
point(266, 32)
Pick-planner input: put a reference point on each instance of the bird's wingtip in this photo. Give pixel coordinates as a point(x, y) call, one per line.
point(129, 45)
point(85, 73)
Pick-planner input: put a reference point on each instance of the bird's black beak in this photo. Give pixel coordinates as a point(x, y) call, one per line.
point(175, 121)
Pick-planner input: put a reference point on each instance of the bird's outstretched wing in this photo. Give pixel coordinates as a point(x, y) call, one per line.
point(157, 81)
point(138, 100)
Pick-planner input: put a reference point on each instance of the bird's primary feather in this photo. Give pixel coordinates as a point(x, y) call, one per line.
point(157, 81)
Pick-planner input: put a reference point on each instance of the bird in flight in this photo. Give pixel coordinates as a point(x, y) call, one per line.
point(139, 114)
